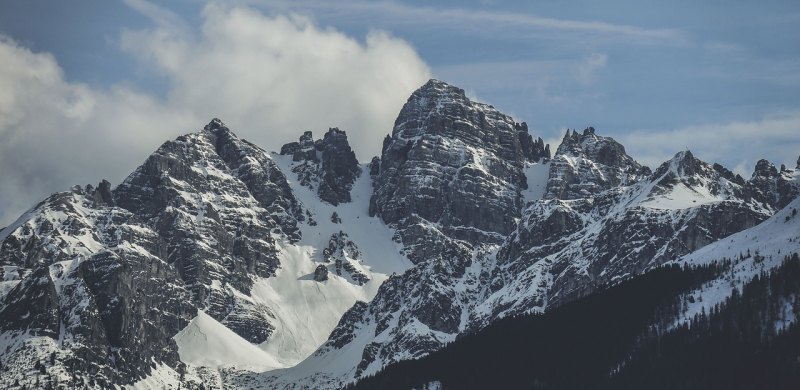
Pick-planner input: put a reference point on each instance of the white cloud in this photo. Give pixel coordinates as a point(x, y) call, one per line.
point(158, 15)
point(774, 138)
point(586, 70)
point(470, 20)
point(268, 78)
point(56, 133)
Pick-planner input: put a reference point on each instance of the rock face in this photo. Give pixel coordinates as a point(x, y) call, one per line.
point(216, 200)
point(772, 187)
point(125, 270)
point(329, 165)
point(587, 164)
point(585, 243)
point(534, 150)
point(451, 168)
point(345, 256)
point(605, 218)
point(321, 273)
point(97, 282)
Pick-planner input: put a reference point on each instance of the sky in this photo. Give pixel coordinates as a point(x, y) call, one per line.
point(89, 89)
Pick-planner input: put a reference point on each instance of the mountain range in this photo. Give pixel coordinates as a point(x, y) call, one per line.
point(219, 264)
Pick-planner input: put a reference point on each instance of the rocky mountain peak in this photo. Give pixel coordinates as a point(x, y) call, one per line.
point(728, 175)
point(772, 187)
point(216, 125)
point(765, 169)
point(686, 177)
point(683, 164)
point(586, 164)
point(101, 194)
point(453, 163)
point(328, 165)
point(534, 150)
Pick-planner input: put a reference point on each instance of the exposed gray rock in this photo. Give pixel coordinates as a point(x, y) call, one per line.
point(561, 250)
point(113, 305)
point(375, 166)
point(452, 165)
point(178, 191)
point(321, 273)
point(105, 278)
point(587, 164)
point(449, 179)
point(772, 187)
point(328, 165)
point(589, 242)
point(534, 150)
point(343, 252)
point(116, 274)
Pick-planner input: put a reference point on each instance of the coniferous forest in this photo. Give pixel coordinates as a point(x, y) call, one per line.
point(740, 344)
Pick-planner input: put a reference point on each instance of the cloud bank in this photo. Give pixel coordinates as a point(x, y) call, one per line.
point(774, 138)
point(267, 77)
point(57, 133)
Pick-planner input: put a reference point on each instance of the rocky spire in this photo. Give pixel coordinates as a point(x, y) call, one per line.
point(534, 151)
point(328, 165)
point(585, 164)
point(453, 162)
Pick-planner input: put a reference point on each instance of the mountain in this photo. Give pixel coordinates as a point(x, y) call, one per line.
point(206, 245)
point(219, 263)
point(627, 221)
point(721, 317)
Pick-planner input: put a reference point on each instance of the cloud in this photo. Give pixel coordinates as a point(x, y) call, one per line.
point(267, 77)
point(56, 133)
point(270, 78)
point(586, 70)
point(158, 15)
point(466, 20)
point(773, 138)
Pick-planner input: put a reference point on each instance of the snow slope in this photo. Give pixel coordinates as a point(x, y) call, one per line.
point(305, 311)
point(752, 251)
point(536, 175)
point(206, 342)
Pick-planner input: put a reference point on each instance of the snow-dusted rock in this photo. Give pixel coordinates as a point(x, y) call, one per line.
point(103, 279)
point(327, 165)
point(220, 263)
point(452, 167)
point(587, 164)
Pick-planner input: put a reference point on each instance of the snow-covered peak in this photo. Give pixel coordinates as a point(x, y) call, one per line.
point(452, 112)
point(216, 125)
point(685, 181)
point(684, 164)
point(586, 164)
point(765, 169)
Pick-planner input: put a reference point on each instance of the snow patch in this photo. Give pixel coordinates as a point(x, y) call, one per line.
point(536, 175)
point(206, 342)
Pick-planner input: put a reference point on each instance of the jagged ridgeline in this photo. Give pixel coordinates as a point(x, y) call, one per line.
point(625, 338)
point(217, 263)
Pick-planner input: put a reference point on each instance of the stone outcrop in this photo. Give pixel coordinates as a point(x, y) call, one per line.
point(116, 274)
point(327, 165)
point(452, 167)
point(586, 164)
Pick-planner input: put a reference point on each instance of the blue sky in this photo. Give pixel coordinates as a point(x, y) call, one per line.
point(115, 79)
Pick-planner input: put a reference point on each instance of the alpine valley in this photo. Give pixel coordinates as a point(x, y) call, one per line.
point(468, 255)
